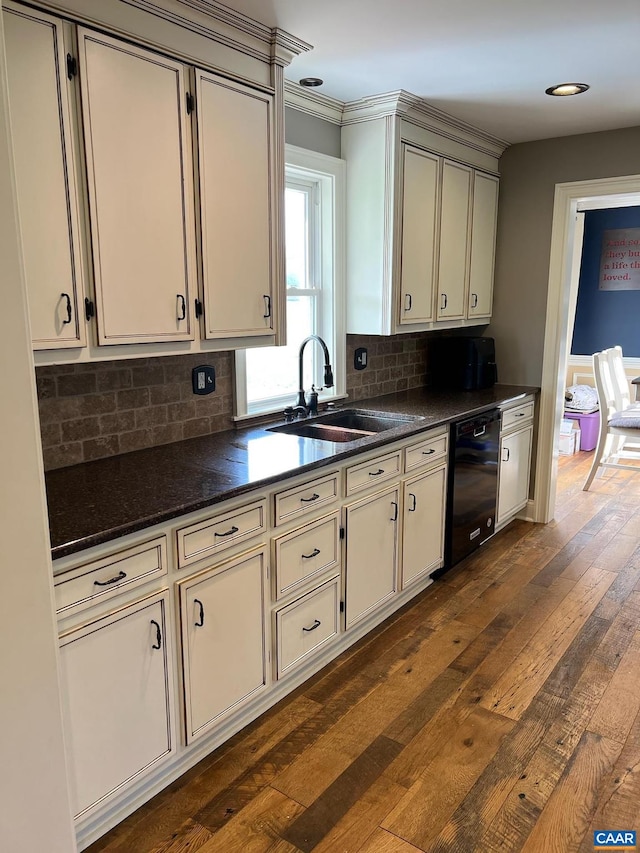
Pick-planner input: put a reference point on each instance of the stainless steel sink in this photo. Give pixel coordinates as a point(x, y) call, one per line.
point(345, 425)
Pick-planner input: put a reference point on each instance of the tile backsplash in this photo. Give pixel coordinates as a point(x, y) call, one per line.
point(89, 411)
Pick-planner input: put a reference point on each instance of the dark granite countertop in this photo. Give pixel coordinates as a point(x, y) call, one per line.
point(96, 502)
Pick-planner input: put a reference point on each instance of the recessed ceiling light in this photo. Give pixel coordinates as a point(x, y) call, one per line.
point(563, 89)
point(311, 81)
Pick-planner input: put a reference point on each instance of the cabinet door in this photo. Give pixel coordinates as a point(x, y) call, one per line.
point(45, 177)
point(483, 244)
point(115, 683)
point(419, 221)
point(236, 198)
point(372, 553)
point(515, 463)
point(423, 524)
point(454, 240)
point(223, 640)
point(140, 194)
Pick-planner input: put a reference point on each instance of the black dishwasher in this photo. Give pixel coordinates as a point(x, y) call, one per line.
point(473, 484)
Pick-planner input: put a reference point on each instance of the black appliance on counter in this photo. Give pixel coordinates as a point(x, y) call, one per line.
point(473, 485)
point(464, 363)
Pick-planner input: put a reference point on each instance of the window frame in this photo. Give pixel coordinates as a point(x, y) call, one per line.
point(328, 174)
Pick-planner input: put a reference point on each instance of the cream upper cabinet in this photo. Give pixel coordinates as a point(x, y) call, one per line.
point(421, 206)
point(419, 235)
point(236, 182)
point(454, 241)
point(140, 194)
point(45, 176)
point(484, 220)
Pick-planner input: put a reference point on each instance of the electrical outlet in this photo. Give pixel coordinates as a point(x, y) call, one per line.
point(360, 358)
point(203, 379)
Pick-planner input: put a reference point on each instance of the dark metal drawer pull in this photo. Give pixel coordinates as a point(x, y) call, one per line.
point(233, 530)
point(415, 502)
point(183, 306)
point(68, 298)
point(200, 621)
point(519, 414)
point(267, 306)
point(376, 473)
point(314, 553)
point(395, 511)
point(316, 624)
point(158, 643)
point(428, 452)
point(119, 577)
point(313, 497)
point(506, 458)
point(408, 302)
point(474, 302)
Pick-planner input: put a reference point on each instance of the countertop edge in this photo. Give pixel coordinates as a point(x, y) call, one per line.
point(76, 546)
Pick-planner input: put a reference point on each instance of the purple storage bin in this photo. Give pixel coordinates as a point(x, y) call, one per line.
point(589, 428)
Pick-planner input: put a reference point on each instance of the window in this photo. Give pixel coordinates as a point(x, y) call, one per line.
point(267, 377)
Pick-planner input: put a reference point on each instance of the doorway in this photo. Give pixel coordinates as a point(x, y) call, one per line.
point(566, 247)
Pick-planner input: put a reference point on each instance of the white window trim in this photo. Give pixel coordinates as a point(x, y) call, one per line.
point(332, 173)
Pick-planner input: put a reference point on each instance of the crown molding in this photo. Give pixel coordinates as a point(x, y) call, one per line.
point(401, 104)
point(285, 47)
point(417, 111)
point(313, 103)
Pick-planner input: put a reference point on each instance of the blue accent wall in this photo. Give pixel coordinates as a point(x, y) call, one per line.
point(605, 318)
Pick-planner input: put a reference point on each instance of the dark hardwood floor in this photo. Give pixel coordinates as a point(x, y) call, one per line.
point(499, 711)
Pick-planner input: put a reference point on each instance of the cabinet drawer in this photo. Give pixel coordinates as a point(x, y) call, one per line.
point(427, 451)
point(305, 626)
point(369, 474)
point(305, 553)
point(518, 415)
point(219, 532)
point(304, 499)
point(102, 579)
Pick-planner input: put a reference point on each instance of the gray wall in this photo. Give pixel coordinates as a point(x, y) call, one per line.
point(528, 175)
point(311, 132)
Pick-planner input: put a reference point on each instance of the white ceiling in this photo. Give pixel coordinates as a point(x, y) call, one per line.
point(486, 62)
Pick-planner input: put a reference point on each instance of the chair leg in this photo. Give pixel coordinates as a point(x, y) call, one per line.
point(597, 458)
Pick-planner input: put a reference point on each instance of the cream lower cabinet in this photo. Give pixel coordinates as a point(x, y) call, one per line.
point(371, 552)
point(515, 464)
point(424, 499)
point(223, 639)
point(516, 440)
point(116, 680)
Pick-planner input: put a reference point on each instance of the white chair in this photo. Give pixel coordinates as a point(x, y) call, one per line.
point(619, 419)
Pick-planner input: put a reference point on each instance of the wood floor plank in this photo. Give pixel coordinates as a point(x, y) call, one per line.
point(618, 804)
point(255, 830)
point(325, 760)
point(382, 841)
point(482, 803)
point(524, 804)
point(188, 839)
point(518, 685)
point(462, 759)
point(620, 703)
point(311, 827)
point(362, 818)
point(566, 817)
